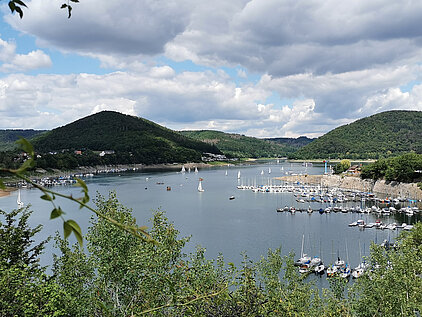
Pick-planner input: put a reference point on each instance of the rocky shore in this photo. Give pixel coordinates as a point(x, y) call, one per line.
point(381, 187)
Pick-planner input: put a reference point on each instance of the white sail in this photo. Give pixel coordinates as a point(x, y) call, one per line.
point(19, 202)
point(226, 172)
point(189, 170)
point(238, 175)
point(269, 170)
point(262, 172)
point(183, 169)
point(200, 189)
point(196, 169)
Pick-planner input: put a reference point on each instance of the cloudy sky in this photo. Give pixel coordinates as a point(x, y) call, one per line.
point(264, 68)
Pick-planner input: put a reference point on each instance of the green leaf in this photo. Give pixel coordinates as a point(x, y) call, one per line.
point(47, 197)
point(76, 230)
point(12, 6)
point(67, 229)
point(26, 146)
point(81, 183)
point(27, 164)
point(20, 3)
point(56, 212)
point(19, 10)
point(84, 200)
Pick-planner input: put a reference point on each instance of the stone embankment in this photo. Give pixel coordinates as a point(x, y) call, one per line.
point(382, 187)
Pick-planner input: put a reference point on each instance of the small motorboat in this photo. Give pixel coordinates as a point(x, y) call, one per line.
point(231, 197)
point(320, 269)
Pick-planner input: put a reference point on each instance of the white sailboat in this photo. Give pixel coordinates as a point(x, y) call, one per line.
point(19, 202)
point(200, 189)
point(189, 170)
point(304, 259)
point(238, 175)
point(183, 169)
point(269, 170)
point(226, 172)
point(262, 172)
point(196, 169)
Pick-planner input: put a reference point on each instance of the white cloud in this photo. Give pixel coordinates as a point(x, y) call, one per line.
point(166, 98)
point(335, 61)
point(12, 62)
point(274, 36)
point(109, 27)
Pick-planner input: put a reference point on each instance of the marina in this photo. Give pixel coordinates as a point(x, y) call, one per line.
point(248, 222)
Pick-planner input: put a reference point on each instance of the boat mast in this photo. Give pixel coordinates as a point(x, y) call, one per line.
point(301, 252)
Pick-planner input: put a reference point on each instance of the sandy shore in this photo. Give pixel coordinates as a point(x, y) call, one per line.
point(4, 193)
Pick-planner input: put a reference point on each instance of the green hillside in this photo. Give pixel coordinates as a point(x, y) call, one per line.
point(292, 143)
point(381, 135)
point(236, 145)
point(9, 137)
point(133, 139)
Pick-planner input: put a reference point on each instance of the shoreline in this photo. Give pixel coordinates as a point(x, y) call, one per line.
point(394, 189)
point(5, 193)
point(54, 174)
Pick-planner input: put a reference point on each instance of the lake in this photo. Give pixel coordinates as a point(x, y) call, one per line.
point(247, 223)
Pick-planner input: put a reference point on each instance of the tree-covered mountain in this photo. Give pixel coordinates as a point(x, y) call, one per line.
point(9, 137)
point(294, 143)
point(384, 134)
point(133, 140)
point(236, 145)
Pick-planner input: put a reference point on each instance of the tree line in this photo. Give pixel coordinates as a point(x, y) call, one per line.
point(404, 168)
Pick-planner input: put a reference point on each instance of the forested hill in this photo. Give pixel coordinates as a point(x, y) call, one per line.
point(9, 137)
point(132, 138)
point(236, 145)
point(294, 143)
point(385, 134)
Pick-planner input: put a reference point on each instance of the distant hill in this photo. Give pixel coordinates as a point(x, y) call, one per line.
point(384, 134)
point(294, 143)
point(133, 139)
point(236, 145)
point(9, 137)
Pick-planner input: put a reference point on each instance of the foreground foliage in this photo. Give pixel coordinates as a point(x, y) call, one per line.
point(121, 275)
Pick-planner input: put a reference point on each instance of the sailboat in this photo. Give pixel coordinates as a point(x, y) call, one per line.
point(304, 259)
point(226, 172)
point(183, 169)
point(189, 170)
point(269, 170)
point(19, 202)
point(200, 189)
point(262, 172)
point(196, 169)
point(238, 175)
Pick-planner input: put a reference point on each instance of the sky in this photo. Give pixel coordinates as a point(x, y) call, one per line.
point(262, 68)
